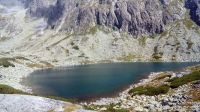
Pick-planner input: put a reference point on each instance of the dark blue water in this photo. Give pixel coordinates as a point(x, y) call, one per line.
point(93, 81)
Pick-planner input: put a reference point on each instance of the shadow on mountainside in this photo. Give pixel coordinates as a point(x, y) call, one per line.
point(193, 6)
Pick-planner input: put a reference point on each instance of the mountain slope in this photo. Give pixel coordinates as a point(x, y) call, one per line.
point(88, 31)
point(133, 16)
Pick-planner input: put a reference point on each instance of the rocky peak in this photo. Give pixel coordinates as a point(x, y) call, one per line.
point(133, 16)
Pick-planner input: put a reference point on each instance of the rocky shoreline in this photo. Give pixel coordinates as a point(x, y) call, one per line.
point(103, 31)
point(175, 100)
point(13, 76)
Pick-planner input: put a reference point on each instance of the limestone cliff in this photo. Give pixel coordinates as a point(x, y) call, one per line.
point(133, 16)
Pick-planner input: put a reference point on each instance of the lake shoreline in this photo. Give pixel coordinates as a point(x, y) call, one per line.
point(155, 103)
point(122, 95)
point(111, 94)
point(22, 72)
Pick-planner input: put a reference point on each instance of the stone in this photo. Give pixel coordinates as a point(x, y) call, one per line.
point(196, 84)
point(103, 109)
point(138, 108)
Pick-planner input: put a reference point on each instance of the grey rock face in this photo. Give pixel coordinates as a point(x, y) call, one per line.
point(10, 2)
point(194, 6)
point(133, 16)
point(196, 84)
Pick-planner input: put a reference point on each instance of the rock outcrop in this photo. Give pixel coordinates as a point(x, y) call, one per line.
point(92, 31)
point(135, 17)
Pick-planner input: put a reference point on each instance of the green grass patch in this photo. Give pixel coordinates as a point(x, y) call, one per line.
point(110, 108)
point(149, 90)
point(88, 30)
point(194, 68)
point(176, 82)
point(4, 89)
point(142, 40)
point(93, 30)
point(163, 34)
point(34, 65)
point(190, 44)
point(76, 47)
point(155, 49)
point(5, 62)
point(3, 39)
point(188, 23)
point(157, 56)
point(61, 99)
point(47, 64)
point(21, 58)
point(128, 57)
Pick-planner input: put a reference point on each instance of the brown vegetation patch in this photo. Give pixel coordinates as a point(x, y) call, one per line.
point(47, 64)
point(194, 94)
point(35, 65)
point(195, 68)
point(162, 76)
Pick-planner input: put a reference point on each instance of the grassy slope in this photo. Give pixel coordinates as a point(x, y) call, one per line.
point(163, 89)
point(4, 89)
point(176, 82)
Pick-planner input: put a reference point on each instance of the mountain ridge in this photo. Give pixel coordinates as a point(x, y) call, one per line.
point(82, 32)
point(134, 17)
